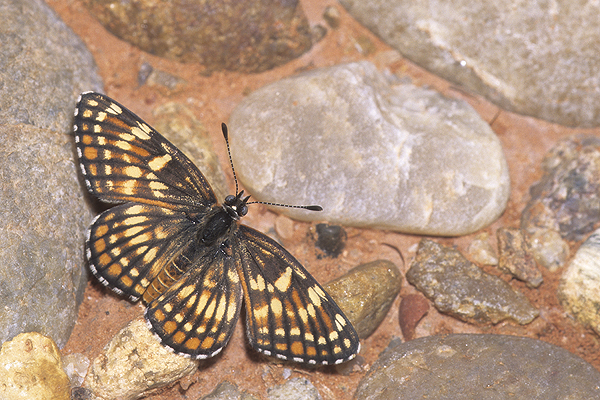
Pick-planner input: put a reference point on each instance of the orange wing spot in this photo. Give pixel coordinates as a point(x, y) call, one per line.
point(104, 259)
point(281, 346)
point(179, 337)
point(100, 245)
point(297, 348)
point(311, 351)
point(87, 139)
point(127, 281)
point(115, 270)
point(208, 342)
point(192, 343)
point(87, 113)
point(159, 315)
point(90, 153)
point(169, 327)
point(93, 169)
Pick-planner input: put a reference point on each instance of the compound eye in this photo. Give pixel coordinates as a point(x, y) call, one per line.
point(243, 210)
point(229, 199)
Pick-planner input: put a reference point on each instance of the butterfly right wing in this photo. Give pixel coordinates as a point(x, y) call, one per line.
point(131, 246)
point(123, 159)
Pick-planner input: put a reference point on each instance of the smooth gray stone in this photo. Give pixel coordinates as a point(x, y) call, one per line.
point(371, 151)
point(468, 366)
point(537, 58)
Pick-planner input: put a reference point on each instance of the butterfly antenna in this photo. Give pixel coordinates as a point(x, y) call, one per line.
point(226, 136)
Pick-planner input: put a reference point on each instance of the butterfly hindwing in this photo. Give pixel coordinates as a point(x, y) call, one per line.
point(289, 315)
point(123, 159)
point(197, 314)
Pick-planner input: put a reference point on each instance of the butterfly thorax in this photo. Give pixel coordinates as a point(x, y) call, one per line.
point(218, 225)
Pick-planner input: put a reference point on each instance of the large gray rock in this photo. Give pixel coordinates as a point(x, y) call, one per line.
point(371, 151)
point(539, 58)
point(466, 366)
point(44, 66)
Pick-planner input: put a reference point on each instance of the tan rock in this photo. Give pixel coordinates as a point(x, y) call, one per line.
point(31, 369)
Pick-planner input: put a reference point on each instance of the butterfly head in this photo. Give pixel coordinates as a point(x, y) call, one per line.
point(236, 205)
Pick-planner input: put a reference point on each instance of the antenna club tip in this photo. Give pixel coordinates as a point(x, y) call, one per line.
point(224, 129)
point(314, 208)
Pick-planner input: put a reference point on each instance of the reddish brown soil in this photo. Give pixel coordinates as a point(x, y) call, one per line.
point(212, 98)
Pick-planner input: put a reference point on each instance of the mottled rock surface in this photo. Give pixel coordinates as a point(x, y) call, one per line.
point(249, 36)
point(372, 152)
point(537, 58)
point(228, 391)
point(481, 251)
point(31, 369)
point(42, 231)
point(365, 294)
point(578, 291)
point(134, 362)
point(294, 389)
point(466, 367)
point(565, 200)
point(516, 258)
point(459, 288)
point(44, 67)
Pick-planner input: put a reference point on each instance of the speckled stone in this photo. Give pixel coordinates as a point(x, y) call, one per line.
point(44, 67)
point(134, 362)
point(249, 36)
point(228, 391)
point(578, 291)
point(294, 389)
point(459, 288)
point(31, 369)
point(42, 231)
point(516, 257)
point(366, 293)
point(566, 198)
point(467, 367)
point(537, 58)
point(41, 74)
point(373, 152)
point(481, 251)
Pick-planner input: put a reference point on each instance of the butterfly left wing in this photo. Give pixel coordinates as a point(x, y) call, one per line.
point(289, 315)
point(195, 316)
point(123, 159)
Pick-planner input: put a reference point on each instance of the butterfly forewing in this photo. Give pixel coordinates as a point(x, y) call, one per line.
point(130, 244)
point(187, 257)
point(289, 315)
point(123, 159)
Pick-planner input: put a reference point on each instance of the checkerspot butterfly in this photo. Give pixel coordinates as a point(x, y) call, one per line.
point(171, 244)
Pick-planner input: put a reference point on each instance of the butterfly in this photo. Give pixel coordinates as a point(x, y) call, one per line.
point(170, 243)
